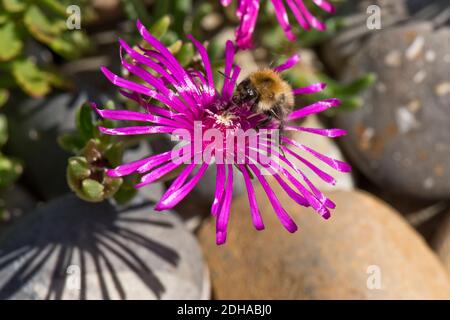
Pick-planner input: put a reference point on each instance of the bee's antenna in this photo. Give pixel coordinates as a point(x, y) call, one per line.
point(223, 74)
point(275, 114)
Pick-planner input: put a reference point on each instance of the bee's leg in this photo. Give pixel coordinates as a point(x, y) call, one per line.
point(269, 118)
point(280, 145)
point(278, 113)
point(280, 133)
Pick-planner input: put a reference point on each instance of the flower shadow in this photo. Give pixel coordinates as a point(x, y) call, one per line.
point(78, 250)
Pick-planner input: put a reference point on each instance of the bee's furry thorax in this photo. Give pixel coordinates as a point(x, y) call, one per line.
point(272, 89)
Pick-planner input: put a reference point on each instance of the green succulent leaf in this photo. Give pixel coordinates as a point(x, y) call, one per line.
point(3, 17)
point(4, 96)
point(78, 168)
point(30, 78)
point(112, 185)
point(357, 86)
point(135, 9)
point(160, 9)
point(14, 6)
point(160, 27)
point(185, 54)
point(3, 130)
point(92, 190)
point(41, 27)
point(71, 142)
point(114, 154)
point(10, 171)
point(200, 13)
point(71, 44)
point(169, 37)
point(56, 6)
point(175, 47)
point(10, 42)
point(126, 191)
point(181, 10)
point(57, 80)
point(84, 122)
point(314, 37)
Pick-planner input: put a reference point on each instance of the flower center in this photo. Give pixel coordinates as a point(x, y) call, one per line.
point(226, 119)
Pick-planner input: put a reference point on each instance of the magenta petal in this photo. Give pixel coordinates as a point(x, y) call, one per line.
point(228, 87)
point(160, 69)
point(248, 13)
point(312, 88)
point(121, 82)
point(157, 173)
point(125, 131)
point(177, 195)
point(225, 3)
point(224, 215)
point(177, 183)
point(147, 62)
point(256, 215)
point(229, 81)
point(298, 14)
point(126, 115)
point(221, 237)
point(128, 168)
point(334, 163)
point(283, 19)
point(150, 108)
point(313, 21)
point(139, 88)
point(162, 93)
point(176, 67)
point(325, 5)
point(316, 107)
point(332, 133)
point(322, 174)
point(229, 58)
point(123, 115)
point(206, 64)
point(284, 217)
point(220, 189)
point(291, 192)
point(316, 203)
point(289, 63)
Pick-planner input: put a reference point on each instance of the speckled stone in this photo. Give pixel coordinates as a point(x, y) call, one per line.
point(365, 251)
point(400, 137)
point(358, 19)
point(71, 249)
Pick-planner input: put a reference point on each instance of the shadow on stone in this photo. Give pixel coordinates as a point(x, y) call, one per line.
point(78, 250)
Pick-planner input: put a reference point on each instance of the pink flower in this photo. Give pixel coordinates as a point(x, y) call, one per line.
point(247, 12)
point(192, 102)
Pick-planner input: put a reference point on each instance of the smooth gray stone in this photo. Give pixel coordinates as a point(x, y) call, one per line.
point(399, 138)
point(72, 249)
point(34, 126)
point(340, 49)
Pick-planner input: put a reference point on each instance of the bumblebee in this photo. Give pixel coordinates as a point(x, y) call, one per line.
point(267, 93)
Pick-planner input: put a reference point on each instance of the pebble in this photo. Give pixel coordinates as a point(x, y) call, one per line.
point(364, 251)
